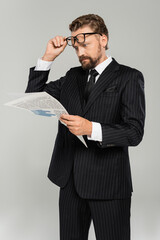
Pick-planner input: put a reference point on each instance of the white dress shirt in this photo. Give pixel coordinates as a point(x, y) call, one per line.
point(96, 127)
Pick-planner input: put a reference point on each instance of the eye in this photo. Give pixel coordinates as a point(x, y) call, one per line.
point(85, 44)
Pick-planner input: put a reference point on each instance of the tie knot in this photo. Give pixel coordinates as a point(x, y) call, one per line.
point(93, 73)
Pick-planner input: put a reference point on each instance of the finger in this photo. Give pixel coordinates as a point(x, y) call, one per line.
point(55, 42)
point(68, 117)
point(64, 44)
point(63, 120)
point(69, 123)
point(62, 40)
point(65, 114)
point(72, 128)
point(65, 41)
point(58, 41)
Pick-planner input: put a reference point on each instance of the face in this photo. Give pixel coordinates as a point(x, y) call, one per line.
point(92, 51)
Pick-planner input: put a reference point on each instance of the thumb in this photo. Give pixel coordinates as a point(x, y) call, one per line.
point(65, 42)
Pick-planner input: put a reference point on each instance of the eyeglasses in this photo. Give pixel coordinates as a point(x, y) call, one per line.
point(80, 38)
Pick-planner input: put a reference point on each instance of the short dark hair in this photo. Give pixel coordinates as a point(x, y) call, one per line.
point(95, 22)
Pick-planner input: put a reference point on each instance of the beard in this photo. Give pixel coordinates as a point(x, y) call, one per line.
point(90, 62)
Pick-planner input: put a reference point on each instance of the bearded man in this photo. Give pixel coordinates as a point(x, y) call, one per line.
point(106, 105)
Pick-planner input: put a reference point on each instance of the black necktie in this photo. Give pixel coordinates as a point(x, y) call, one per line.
point(90, 83)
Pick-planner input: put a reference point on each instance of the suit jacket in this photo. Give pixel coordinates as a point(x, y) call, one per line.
point(117, 102)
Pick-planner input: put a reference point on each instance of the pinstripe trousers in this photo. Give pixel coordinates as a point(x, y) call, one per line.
point(111, 218)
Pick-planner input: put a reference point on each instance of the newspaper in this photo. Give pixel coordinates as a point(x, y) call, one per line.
point(43, 104)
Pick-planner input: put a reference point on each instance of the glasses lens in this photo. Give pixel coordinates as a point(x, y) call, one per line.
point(80, 38)
point(72, 41)
point(69, 41)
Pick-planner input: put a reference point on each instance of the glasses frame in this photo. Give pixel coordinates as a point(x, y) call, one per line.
point(76, 39)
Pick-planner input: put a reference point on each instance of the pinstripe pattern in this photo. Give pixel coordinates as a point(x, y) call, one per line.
point(117, 102)
point(111, 218)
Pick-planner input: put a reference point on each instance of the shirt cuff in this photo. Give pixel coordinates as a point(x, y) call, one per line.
point(43, 65)
point(96, 132)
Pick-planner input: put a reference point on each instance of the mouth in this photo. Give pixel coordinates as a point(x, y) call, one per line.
point(84, 59)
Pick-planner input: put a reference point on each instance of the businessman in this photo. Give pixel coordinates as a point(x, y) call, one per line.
point(106, 105)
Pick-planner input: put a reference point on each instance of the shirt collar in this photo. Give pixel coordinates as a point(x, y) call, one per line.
point(100, 67)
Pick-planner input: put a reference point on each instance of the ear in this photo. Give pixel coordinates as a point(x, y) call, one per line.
point(104, 40)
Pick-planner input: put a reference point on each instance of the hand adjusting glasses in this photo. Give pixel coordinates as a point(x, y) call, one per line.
point(80, 38)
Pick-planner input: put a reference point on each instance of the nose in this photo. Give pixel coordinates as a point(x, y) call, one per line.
point(80, 49)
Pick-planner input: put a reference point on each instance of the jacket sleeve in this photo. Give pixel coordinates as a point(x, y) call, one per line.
point(130, 131)
point(37, 83)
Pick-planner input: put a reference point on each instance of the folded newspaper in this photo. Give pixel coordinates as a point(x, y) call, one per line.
point(41, 103)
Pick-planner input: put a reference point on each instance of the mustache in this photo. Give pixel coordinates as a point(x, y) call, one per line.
point(83, 58)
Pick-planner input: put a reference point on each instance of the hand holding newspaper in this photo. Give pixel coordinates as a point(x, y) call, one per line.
point(41, 103)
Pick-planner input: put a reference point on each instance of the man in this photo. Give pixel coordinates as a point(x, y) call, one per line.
point(106, 105)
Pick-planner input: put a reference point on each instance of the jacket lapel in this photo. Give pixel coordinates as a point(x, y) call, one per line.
point(103, 81)
point(81, 83)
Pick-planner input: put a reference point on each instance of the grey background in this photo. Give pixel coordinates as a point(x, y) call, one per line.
point(28, 200)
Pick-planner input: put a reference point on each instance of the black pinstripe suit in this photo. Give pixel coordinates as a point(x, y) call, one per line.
point(101, 171)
